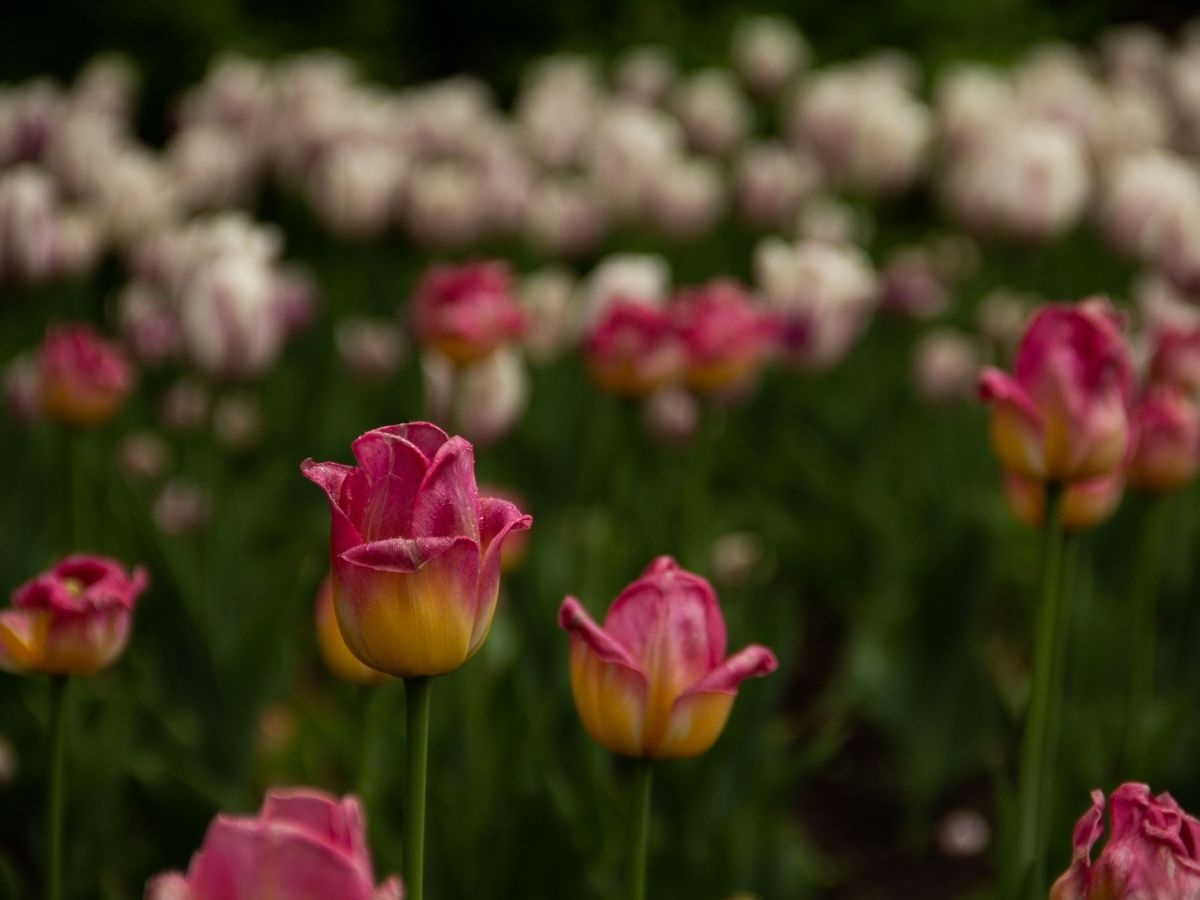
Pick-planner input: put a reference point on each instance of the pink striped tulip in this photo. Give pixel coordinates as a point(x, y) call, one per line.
point(725, 336)
point(303, 845)
point(337, 656)
point(1153, 850)
point(1167, 455)
point(84, 377)
point(1064, 413)
point(71, 620)
point(633, 349)
point(654, 681)
point(415, 550)
point(465, 312)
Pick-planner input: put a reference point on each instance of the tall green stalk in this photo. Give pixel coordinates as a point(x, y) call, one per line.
point(418, 692)
point(56, 787)
point(639, 829)
point(1027, 874)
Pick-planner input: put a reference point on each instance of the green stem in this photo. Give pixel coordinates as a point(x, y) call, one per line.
point(57, 787)
point(639, 829)
point(418, 692)
point(1027, 874)
point(1146, 582)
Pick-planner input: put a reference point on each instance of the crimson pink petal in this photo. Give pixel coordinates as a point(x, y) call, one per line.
point(754, 661)
point(498, 519)
point(447, 502)
point(574, 619)
point(337, 821)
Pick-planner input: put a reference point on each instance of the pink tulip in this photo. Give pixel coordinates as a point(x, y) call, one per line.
point(654, 681)
point(633, 348)
point(415, 550)
point(71, 620)
point(84, 377)
point(1167, 454)
point(337, 656)
point(1153, 850)
point(1064, 414)
point(725, 335)
point(303, 845)
point(465, 312)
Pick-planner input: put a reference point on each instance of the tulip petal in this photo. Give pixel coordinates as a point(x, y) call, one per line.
point(389, 890)
point(172, 886)
point(1016, 426)
point(84, 643)
point(335, 480)
point(1073, 884)
point(499, 519)
point(22, 638)
point(408, 606)
point(381, 493)
point(574, 619)
point(336, 822)
point(447, 502)
point(754, 661)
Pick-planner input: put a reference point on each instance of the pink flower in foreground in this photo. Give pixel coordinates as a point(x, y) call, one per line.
point(303, 845)
point(337, 656)
point(1153, 850)
point(71, 620)
point(1064, 413)
point(633, 348)
point(725, 335)
point(415, 550)
point(465, 312)
point(84, 376)
point(654, 681)
point(1168, 439)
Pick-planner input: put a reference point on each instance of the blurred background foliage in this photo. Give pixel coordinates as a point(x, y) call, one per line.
point(893, 582)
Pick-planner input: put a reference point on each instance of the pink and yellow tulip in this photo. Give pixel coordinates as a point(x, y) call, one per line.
point(1167, 454)
point(303, 845)
point(415, 550)
point(465, 312)
point(1153, 850)
point(1063, 415)
point(654, 681)
point(725, 336)
point(83, 377)
point(71, 620)
point(633, 349)
point(337, 656)
point(1085, 503)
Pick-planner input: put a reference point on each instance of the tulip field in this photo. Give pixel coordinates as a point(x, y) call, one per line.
point(741, 471)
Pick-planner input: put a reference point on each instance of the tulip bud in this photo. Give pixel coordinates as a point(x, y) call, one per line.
point(548, 297)
point(1151, 854)
point(634, 349)
point(303, 845)
point(767, 52)
point(84, 377)
point(725, 335)
point(1167, 425)
point(713, 112)
point(654, 681)
point(337, 656)
point(465, 312)
point(415, 551)
point(492, 395)
point(71, 620)
point(1064, 415)
point(645, 74)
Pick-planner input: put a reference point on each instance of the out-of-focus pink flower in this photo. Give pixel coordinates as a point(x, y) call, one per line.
point(181, 508)
point(1146, 197)
point(238, 421)
point(645, 74)
point(143, 455)
point(84, 376)
point(1167, 424)
point(672, 414)
point(484, 400)
point(1064, 414)
point(638, 277)
point(654, 681)
point(30, 225)
point(22, 384)
point(1086, 503)
point(303, 845)
point(465, 312)
point(686, 199)
point(767, 52)
point(355, 188)
point(73, 619)
point(945, 366)
point(634, 349)
point(771, 183)
point(337, 656)
point(823, 295)
point(551, 311)
point(1176, 358)
point(1153, 850)
point(149, 327)
point(370, 349)
point(713, 111)
point(415, 551)
point(725, 334)
point(566, 216)
point(185, 405)
point(912, 285)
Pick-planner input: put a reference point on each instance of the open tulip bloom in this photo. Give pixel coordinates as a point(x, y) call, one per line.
point(416, 558)
point(654, 682)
